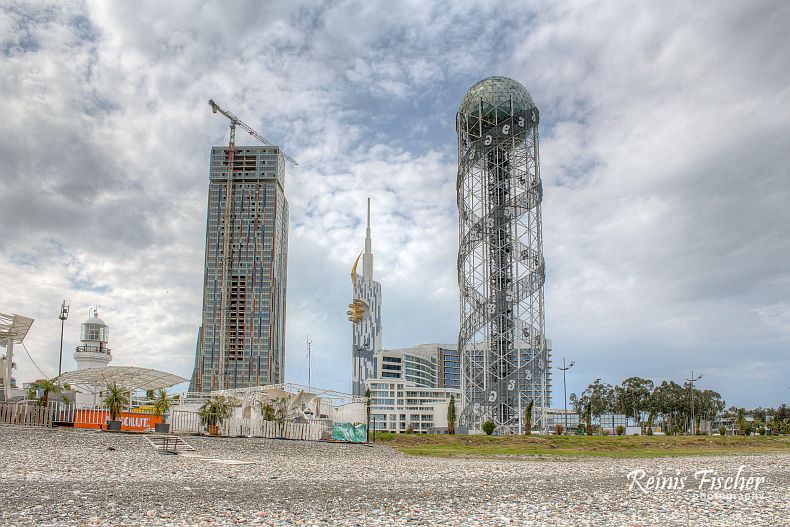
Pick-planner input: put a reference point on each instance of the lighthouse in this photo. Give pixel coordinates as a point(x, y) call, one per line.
point(93, 353)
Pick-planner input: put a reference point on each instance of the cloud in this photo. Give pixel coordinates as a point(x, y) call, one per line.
point(664, 133)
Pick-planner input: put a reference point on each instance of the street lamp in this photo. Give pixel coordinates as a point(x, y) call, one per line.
point(64, 314)
point(691, 381)
point(564, 389)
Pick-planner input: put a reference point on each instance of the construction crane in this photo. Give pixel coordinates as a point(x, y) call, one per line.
point(227, 214)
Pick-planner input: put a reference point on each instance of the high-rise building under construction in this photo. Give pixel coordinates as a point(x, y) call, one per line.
point(254, 350)
point(503, 348)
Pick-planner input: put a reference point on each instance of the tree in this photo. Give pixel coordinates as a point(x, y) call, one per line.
point(588, 419)
point(600, 398)
point(48, 387)
point(116, 400)
point(528, 418)
point(741, 421)
point(631, 397)
point(667, 400)
point(451, 415)
point(579, 404)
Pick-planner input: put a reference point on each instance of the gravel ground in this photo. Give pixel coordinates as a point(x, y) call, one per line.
point(69, 477)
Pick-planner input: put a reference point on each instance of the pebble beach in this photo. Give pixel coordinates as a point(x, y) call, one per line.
point(88, 478)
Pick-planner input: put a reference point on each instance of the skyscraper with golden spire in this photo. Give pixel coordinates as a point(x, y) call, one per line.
point(365, 316)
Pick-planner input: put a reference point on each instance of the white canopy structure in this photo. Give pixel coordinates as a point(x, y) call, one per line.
point(13, 328)
point(129, 376)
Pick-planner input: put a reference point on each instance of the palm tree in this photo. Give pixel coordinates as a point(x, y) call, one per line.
point(281, 412)
point(267, 411)
point(116, 400)
point(49, 387)
point(451, 415)
point(214, 412)
point(161, 402)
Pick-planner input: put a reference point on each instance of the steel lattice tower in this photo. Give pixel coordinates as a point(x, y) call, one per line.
point(500, 257)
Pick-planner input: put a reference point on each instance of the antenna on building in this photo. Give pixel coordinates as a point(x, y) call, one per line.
point(309, 365)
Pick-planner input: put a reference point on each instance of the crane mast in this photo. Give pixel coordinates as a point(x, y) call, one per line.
point(227, 214)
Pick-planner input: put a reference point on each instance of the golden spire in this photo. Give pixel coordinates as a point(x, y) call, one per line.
point(354, 271)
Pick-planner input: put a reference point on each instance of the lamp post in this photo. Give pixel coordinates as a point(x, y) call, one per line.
point(691, 381)
point(64, 314)
point(564, 389)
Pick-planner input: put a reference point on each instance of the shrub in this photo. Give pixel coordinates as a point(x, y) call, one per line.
point(762, 430)
point(528, 418)
point(410, 429)
point(722, 430)
point(620, 430)
point(606, 432)
point(488, 427)
point(558, 429)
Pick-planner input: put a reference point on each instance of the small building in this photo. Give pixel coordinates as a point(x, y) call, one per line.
point(569, 420)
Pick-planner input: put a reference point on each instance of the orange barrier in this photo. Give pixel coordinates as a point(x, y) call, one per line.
point(133, 421)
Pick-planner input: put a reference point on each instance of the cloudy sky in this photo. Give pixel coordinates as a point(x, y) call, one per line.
point(665, 139)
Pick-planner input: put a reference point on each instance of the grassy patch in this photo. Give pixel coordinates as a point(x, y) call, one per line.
point(593, 446)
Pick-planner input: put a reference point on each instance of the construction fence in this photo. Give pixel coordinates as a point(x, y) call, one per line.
point(187, 422)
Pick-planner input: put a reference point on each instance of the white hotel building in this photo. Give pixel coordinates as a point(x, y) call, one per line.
point(413, 388)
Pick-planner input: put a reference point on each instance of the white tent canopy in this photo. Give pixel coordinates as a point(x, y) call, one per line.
point(129, 376)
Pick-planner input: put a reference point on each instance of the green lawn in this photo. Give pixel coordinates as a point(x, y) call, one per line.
point(600, 446)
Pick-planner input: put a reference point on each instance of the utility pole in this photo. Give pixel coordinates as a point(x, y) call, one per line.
point(692, 381)
point(64, 314)
point(565, 390)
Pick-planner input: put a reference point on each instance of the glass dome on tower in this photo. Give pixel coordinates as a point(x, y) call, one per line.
point(491, 101)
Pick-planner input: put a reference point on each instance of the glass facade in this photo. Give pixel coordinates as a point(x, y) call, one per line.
point(255, 314)
point(450, 361)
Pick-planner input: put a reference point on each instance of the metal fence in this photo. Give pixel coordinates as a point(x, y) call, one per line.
point(181, 421)
point(25, 415)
